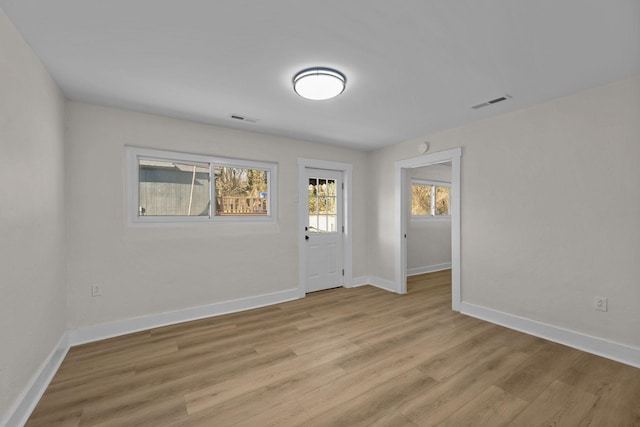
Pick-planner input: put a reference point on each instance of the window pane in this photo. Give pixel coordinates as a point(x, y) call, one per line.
point(322, 187)
point(331, 223)
point(442, 201)
point(330, 200)
point(241, 191)
point(173, 188)
point(331, 187)
point(331, 205)
point(420, 199)
point(313, 196)
point(313, 205)
point(313, 224)
point(322, 224)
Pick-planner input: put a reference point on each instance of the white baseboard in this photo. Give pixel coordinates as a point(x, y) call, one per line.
point(387, 285)
point(428, 269)
point(622, 353)
point(359, 281)
point(28, 399)
point(122, 327)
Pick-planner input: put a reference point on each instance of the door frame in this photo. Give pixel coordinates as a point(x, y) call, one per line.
point(402, 209)
point(347, 217)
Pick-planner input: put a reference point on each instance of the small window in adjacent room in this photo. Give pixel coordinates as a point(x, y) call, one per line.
point(429, 199)
point(167, 186)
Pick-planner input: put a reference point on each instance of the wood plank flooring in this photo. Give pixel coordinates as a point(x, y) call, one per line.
point(342, 357)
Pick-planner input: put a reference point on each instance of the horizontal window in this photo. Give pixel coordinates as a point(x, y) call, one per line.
point(167, 186)
point(430, 199)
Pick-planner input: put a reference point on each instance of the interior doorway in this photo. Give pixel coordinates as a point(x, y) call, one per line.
point(402, 206)
point(429, 219)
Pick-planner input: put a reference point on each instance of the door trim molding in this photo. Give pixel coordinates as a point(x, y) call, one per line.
point(401, 203)
point(347, 195)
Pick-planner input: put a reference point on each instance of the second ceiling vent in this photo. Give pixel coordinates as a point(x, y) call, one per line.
point(491, 102)
point(243, 118)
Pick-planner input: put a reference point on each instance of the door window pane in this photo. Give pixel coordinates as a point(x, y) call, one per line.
point(322, 205)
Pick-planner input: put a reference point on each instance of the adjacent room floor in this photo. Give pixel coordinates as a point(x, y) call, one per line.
point(342, 357)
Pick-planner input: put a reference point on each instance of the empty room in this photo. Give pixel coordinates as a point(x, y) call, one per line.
point(295, 213)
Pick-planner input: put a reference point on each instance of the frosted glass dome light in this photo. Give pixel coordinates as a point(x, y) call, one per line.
point(319, 83)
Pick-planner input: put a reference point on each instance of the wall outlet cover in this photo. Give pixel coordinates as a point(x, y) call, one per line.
point(601, 304)
point(96, 290)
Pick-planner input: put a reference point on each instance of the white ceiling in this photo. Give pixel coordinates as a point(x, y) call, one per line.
point(413, 67)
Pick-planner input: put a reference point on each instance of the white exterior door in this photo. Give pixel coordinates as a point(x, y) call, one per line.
point(324, 229)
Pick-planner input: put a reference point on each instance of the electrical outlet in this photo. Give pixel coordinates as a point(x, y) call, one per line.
point(96, 290)
point(600, 303)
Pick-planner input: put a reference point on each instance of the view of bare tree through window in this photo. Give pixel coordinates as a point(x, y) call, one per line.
point(241, 191)
point(442, 201)
point(421, 199)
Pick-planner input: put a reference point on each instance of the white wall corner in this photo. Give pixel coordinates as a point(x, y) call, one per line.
point(622, 353)
point(122, 327)
point(428, 269)
point(359, 281)
point(387, 285)
point(30, 396)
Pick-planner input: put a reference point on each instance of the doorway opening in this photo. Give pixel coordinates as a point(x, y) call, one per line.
point(403, 198)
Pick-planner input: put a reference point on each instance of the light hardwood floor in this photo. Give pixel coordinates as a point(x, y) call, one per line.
point(342, 357)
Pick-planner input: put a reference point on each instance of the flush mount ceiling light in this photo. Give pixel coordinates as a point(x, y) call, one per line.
point(319, 83)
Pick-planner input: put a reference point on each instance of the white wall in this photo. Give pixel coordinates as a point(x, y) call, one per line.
point(428, 241)
point(550, 210)
point(32, 216)
point(147, 270)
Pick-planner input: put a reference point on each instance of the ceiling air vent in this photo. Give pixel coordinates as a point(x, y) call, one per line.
point(493, 101)
point(243, 118)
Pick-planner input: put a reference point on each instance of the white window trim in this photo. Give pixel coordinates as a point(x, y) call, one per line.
point(432, 216)
point(133, 154)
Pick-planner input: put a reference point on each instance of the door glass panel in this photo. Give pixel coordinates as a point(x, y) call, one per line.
point(323, 224)
point(331, 223)
point(313, 223)
point(322, 205)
